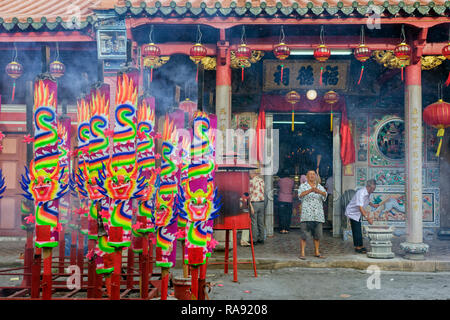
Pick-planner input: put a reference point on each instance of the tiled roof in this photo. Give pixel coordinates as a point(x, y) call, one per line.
point(282, 8)
point(71, 14)
point(78, 14)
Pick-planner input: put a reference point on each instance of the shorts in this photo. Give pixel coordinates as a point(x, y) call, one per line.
point(314, 227)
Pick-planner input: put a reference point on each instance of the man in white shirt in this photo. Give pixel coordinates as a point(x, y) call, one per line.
point(355, 209)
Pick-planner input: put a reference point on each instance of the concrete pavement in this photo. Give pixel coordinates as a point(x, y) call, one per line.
point(282, 251)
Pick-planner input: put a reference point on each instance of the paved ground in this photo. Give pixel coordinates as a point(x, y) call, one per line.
point(282, 250)
point(330, 284)
point(281, 275)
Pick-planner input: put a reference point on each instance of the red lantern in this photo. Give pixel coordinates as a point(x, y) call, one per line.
point(403, 52)
point(281, 52)
point(243, 55)
point(14, 70)
point(437, 115)
point(446, 54)
point(331, 98)
point(197, 53)
point(292, 97)
point(321, 54)
point(151, 52)
point(57, 69)
point(362, 54)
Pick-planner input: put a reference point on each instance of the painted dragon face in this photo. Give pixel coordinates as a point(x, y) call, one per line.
point(90, 184)
point(164, 210)
point(43, 186)
point(120, 184)
point(199, 203)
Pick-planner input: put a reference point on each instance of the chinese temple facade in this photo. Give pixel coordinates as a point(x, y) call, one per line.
point(345, 82)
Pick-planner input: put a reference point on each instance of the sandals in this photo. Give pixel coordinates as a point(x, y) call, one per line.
point(245, 244)
point(302, 257)
point(361, 250)
point(319, 256)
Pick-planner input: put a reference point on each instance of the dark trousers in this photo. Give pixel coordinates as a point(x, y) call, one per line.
point(258, 221)
point(357, 232)
point(285, 214)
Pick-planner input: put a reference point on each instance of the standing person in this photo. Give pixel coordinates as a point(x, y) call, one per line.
point(330, 188)
point(245, 206)
point(257, 206)
point(285, 185)
point(312, 195)
point(355, 209)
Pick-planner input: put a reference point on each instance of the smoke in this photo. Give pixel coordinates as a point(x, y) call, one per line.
point(178, 71)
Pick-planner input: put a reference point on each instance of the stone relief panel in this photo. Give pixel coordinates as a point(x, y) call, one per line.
point(386, 141)
point(393, 207)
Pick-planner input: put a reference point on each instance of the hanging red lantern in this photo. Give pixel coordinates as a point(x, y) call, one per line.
point(437, 115)
point(14, 70)
point(151, 53)
point(281, 52)
point(243, 55)
point(446, 54)
point(57, 69)
point(292, 97)
point(403, 52)
point(331, 98)
point(197, 53)
point(322, 53)
point(362, 53)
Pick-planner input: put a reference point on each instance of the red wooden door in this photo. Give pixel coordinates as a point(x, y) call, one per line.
point(12, 162)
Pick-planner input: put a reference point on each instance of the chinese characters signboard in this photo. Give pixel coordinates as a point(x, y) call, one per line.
point(305, 75)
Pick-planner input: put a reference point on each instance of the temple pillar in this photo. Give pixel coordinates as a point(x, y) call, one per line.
point(414, 246)
point(223, 108)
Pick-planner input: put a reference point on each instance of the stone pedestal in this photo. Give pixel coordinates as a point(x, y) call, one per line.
point(414, 251)
point(380, 242)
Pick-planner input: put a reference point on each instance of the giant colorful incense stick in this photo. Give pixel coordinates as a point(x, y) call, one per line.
point(198, 200)
point(43, 182)
point(166, 209)
point(64, 202)
point(120, 180)
point(145, 153)
point(165, 216)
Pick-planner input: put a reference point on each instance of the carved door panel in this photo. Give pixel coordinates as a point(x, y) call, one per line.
point(12, 162)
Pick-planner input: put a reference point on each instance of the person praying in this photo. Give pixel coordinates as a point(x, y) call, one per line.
point(312, 217)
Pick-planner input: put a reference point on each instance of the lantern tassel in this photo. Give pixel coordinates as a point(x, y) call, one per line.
point(282, 67)
point(292, 120)
point(440, 134)
point(321, 72)
point(196, 76)
point(13, 91)
point(151, 74)
point(331, 121)
point(447, 83)
point(402, 73)
point(242, 74)
point(361, 74)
